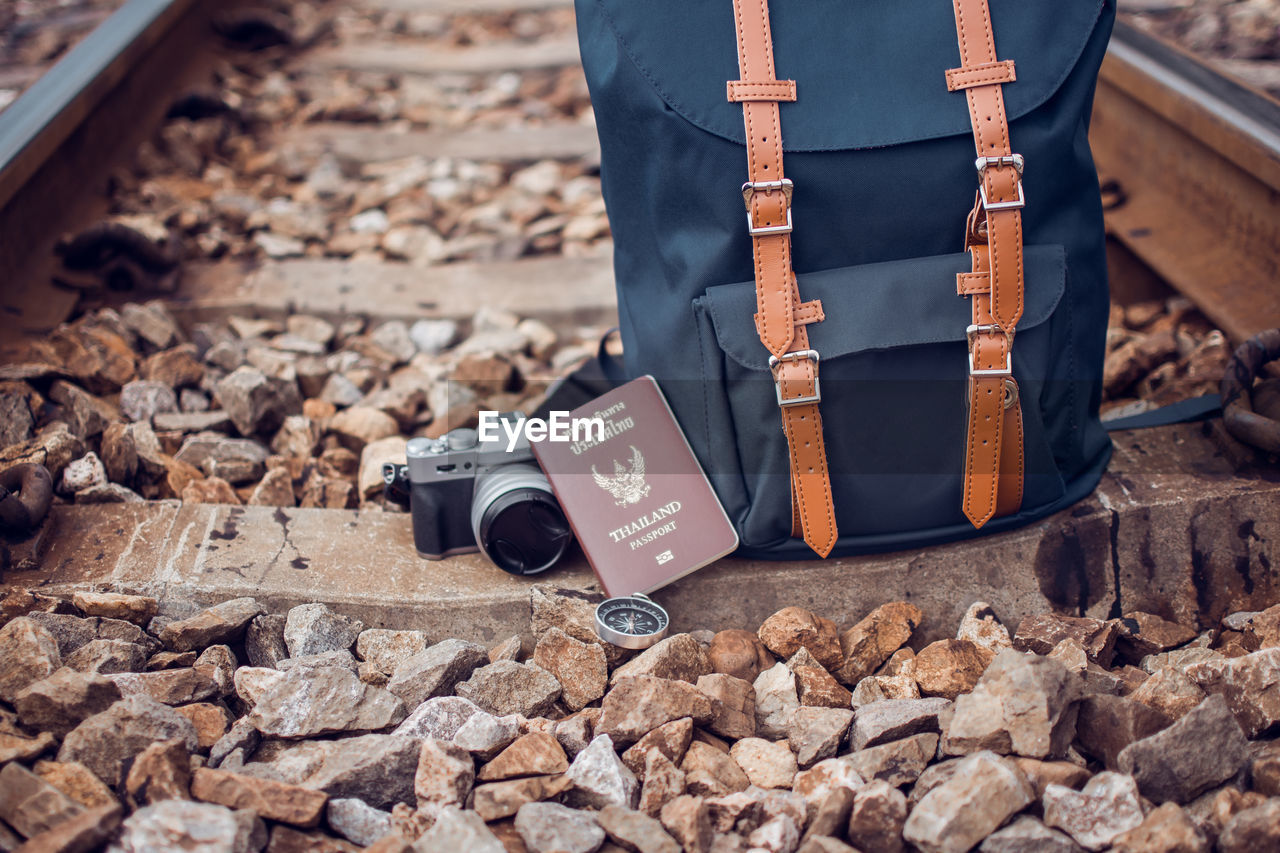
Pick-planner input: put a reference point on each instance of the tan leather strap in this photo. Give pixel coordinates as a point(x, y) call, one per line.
point(805, 313)
point(980, 75)
point(997, 254)
point(771, 90)
point(781, 318)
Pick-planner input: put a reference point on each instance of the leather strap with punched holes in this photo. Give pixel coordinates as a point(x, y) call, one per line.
point(781, 317)
point(993, 445)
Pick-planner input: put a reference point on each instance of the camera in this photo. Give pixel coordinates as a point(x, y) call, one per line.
point(466, 494)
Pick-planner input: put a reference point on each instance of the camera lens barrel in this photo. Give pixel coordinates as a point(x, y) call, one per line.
point(517, 521)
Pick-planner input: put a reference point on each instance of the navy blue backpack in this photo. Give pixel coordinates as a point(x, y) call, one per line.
point(860, 247)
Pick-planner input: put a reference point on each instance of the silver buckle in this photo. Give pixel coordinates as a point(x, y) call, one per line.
point(815, 397)
point(972, 331)
point(749, 190)
point(1017, 162)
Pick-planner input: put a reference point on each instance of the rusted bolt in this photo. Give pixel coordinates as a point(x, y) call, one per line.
point(1238, 414)
point(25, 494)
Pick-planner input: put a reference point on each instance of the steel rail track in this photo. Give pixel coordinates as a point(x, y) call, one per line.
point(62, 136)
point(1194, 158)
point(41, 119)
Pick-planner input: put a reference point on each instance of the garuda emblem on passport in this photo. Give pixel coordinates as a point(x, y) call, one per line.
point(626, 486)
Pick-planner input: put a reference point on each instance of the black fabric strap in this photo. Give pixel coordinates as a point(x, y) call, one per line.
point(1181, 412)
point(595, 376)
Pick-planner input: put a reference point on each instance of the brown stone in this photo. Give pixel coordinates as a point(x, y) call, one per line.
point(89, 830)
point(275, 489)
point(679, 658)
point(1167, 829)
point(1263, 630)
point(20, 602)
point(573, 612)
point(1264, 768)
point(1247, 683)
point(322, 492)
point(581, 668)
point(635, 831)
point(733, 703)
point(768, 764)
point(898, 762)
point(445, 774)
point(59, 703)
point(29, 804)
point(738, 653)
point(870, 642)
point(170, 660)
point(876, 688)
point(77, 782)
point(162, 771)
point(28, 653)
point(1041, 774)
point(1143, 634)
point(793, 628)
point(137, 609)
point(211, 721)
point(168, 686)
point(18, 748)
point(534, 754)
point(876, 819)
point(1107, 724)
point(816, 688)
point(948, 668)
point(1024, 705)
point(271, 800)
point(1169, 691)
point(498, 800)
point(816, 733)
point(817, 783)
point(222, 623)
point(829, 820)
point(286, 839)
point(671, 739)
point(576, 730)
point(663, 782)
point(1041, 632)
point(637, 706)
point(106, 742)
point(708, 772)
point(1252, 830)
point(213, 490)
point(510, 649)
point(688, 820)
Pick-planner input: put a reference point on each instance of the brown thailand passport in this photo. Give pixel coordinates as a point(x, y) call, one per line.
point(635, 495)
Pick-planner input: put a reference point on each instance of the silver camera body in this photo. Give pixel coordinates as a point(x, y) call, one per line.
point(468, 494)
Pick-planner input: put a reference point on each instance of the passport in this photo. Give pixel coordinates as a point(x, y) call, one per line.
point(634, 494)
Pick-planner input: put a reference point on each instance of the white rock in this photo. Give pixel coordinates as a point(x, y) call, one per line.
point(776, 701)
point(600, 778)
point(1106, 807)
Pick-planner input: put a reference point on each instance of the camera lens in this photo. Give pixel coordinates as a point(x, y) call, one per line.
point(517, 521)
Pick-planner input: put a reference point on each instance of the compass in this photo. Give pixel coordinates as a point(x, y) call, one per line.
point(631, 621)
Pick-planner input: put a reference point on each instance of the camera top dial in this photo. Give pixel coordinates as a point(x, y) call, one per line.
point(631, 621)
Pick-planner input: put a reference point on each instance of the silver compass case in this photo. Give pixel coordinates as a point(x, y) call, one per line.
point(631, 621)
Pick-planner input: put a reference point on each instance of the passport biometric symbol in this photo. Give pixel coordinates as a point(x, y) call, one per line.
point(626, 486)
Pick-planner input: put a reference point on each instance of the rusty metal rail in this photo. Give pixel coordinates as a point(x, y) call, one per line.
point(62, 136)
point(1195, 158)
point(35, 126)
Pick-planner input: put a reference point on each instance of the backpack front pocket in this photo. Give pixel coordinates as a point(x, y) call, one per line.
point(893, 375)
